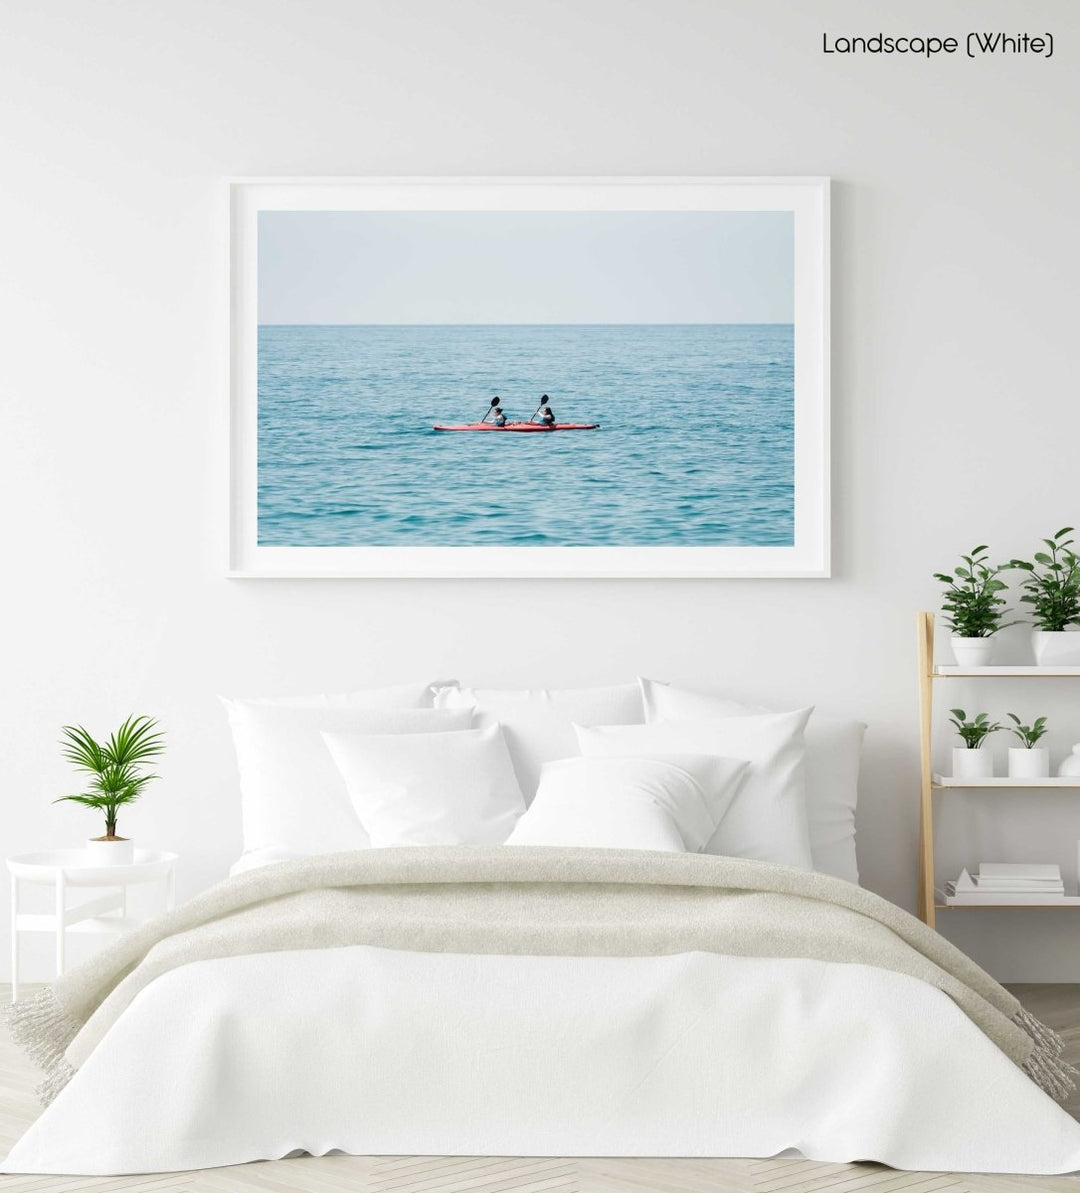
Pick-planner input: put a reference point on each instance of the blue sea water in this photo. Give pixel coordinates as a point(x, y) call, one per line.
point(695, 447)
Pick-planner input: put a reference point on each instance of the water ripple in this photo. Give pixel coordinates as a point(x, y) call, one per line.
point(696, 445)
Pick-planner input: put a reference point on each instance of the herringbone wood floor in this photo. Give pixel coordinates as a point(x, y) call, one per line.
point(1057, 1005)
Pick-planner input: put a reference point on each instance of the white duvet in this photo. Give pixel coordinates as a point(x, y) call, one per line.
point(375, 1051)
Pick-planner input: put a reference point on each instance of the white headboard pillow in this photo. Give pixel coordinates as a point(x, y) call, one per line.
point(430, 788)
point(539, 722)
point(767, 818)
point(833, 751)
point(292, 796)
point(402, 695)
point(672, 803)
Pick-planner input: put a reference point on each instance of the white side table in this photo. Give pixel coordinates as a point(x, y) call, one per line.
point(63, 869)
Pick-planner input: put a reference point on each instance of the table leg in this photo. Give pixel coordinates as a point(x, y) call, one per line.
point(14, 938)
point(61, 899)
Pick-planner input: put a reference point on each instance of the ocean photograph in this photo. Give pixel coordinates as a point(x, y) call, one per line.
point(374, 328)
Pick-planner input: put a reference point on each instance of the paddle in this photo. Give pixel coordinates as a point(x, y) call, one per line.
point(494, 403)
point(543, 403)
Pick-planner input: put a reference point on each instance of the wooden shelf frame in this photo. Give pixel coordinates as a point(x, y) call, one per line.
point(927, 896)
point(930, 782)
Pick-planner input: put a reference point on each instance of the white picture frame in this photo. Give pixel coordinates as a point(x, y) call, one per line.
point(806, 197)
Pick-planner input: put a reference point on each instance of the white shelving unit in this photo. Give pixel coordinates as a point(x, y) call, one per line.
point(1065, 903)
point(1012, 784)
point(946, 671)
point(929, 674)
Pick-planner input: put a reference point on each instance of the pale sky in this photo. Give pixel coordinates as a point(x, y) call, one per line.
point(526, 267)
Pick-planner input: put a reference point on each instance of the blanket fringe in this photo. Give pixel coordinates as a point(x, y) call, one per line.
point(1046, 1065)
point(48, 1089)
point(43, 1030)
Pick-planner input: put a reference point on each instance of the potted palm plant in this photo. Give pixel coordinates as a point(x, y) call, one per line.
point(974, 607)
point(1052, 589)
point(1029, 760)
point(970, 761)
point(117, 778)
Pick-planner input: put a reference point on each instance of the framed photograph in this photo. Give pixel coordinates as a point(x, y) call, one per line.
point(529, 377)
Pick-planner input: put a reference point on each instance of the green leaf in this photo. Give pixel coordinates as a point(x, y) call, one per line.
point(135, 742)
point(80, 749)
point(91, 801)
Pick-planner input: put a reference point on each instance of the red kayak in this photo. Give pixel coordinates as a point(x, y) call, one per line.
point(519, 427)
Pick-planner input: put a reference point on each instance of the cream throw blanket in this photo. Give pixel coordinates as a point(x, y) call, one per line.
point(526, 900)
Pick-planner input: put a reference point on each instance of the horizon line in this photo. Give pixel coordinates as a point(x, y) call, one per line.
point(619, 323)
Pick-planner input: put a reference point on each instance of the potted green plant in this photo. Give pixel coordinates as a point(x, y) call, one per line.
point(1029, 760)
point(970, 761)
point(973, 606)
point(116, 778)
point(1052, 589)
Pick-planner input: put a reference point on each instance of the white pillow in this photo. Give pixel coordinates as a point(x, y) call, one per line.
point(672, 803)
point(292, 796)
point(430, 788)
point(539, 722)
point(255, 859)
point(767, 818)
point(406, 695)
point(833, 752)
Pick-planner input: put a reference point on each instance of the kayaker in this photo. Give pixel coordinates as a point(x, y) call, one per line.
point(547, 418)
point(500, 418)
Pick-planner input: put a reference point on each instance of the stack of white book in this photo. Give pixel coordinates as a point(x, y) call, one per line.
point(1007, 882)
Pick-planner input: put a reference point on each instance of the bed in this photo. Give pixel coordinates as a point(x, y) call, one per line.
point(606, 966)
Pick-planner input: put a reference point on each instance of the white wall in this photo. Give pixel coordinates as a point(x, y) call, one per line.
point(956, 414)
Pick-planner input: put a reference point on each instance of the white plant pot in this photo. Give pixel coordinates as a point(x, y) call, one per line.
point(1029, 764)
point(972, 652)
point(972, 764)
point(120, 852)
point(1056, 648)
